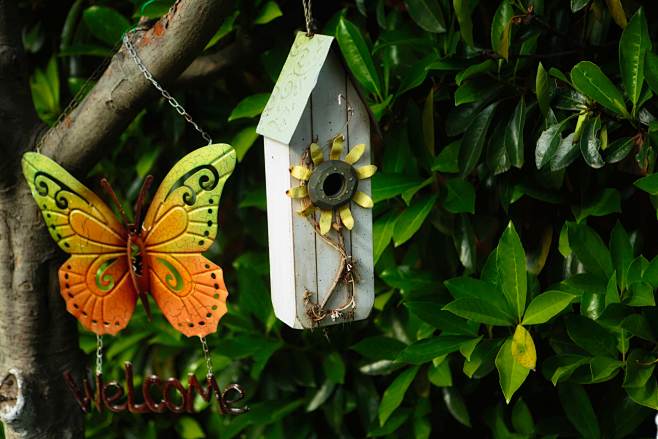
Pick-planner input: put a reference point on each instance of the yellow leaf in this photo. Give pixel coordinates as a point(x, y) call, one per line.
point(316, 154)
point(297, 192)
point(362, 200)
point(326, 216)
point(355, 153)
point(523, 348)
point(366, 171)
point(617, 12)
point(346, 216)
point(337, 147)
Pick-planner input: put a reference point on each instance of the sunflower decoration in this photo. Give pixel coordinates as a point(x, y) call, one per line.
point(330, 185)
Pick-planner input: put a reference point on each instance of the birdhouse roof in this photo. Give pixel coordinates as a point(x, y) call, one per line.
point(292, 90)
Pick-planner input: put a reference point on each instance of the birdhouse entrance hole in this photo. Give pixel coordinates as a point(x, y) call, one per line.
point(332, 184)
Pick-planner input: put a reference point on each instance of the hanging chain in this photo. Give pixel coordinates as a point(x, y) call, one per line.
point(99, 354)
point(308, 16)
point(172, 101)
point(206, 354)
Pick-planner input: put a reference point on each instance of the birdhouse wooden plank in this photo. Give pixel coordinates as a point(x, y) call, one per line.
point(316, 131)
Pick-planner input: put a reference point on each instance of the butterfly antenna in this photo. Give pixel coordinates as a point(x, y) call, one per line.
point(110, 192)
point(139, 204)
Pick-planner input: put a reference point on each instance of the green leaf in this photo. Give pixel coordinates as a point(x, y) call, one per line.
point(250, 106)
point(388, 185)
point(589, 80)
point(268, 12)
point(225, 28)
point(482, 358)
point(427, 349)
point(606, 202)
point(153, 9)
point(633, 45)
point(514, 135)
point(640, 294)
point(427, 14)
point(473, 140)
point(651, 70)
point(577, 5)
point(510, 373)
point(411, 219)
point(590, 250)
point(548, 143)
point(522, 418)
point(510, 260)
point(440, 375)
point(460, 196)
point(542, 89)
point(448, 159)
point(431, 313)
point(456, 405)
point(621, 251)
point(464, 239)
point(243, 141)
point(480, 311)
point(334, 368)
point(590, 143)
point(382, 232)
point(379, 347)
point(428, 122)
point(579, 410)
point(591, 336)
point(561, 367)
point(469, 288)
point(546, 306)
point(189, 428)
point(501, 28)
point(106, 24)
point(648, 184)
point(355, 51)
point(393, 395)
point(463, 11)
point(619, 149)
point(639, 383)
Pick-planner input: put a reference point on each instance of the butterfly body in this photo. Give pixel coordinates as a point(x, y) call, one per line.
point(111, 263)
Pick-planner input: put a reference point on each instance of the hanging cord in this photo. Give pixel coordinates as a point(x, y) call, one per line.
point(206, 354)
point(172, 101)
point(99, 354)
point(308, 16)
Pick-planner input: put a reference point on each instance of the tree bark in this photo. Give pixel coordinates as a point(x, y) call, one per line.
point(38, 338)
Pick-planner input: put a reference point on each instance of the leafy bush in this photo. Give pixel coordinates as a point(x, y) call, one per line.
point(514, 224)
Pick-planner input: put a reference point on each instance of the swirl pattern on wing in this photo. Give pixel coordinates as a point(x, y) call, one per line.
point(98, 291)
point(183, 214)
point(78, 220)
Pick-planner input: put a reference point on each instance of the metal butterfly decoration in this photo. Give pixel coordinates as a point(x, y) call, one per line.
point(114, 261)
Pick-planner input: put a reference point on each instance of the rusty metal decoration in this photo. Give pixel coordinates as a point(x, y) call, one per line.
point(111, 395)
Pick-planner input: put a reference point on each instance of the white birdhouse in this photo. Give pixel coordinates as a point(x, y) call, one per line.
point(316, 131)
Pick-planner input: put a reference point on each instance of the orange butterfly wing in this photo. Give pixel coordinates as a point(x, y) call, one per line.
point(95, 281)
point(180, 224)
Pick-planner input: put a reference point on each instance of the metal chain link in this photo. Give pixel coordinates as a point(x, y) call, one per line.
point(99, 354)
point(308, 16)
point(206, 354)
point(172, 101)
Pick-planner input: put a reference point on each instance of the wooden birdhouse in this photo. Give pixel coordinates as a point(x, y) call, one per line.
point(316, 131)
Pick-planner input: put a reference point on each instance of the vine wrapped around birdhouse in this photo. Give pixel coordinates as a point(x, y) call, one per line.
point(316, 131)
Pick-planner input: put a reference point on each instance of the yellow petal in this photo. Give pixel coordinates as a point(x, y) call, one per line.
point(362, 200)
point(306, 210)
point(326, 216)
point(366, 171)
point(355, 153)
point(346, 216)
point(316, 154)
point(337, 147)
point(297, 192)
point(300, 172)
point(523, 348)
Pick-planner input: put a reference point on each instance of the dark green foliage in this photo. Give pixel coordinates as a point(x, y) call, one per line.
point(515, 219)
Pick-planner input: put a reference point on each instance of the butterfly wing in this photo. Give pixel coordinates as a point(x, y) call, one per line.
point(95, 281)
point(180, 224)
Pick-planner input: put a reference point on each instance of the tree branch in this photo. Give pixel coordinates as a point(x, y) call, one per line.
point(19, 120)
point(212, 65)
point(167, 49)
